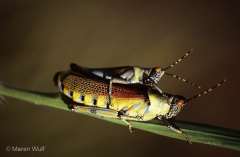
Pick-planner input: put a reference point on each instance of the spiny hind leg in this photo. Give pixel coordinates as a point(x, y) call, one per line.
point(124, 78)
point(110, 92)
point(106, 113)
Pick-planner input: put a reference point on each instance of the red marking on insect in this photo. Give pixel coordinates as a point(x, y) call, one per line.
point(158, 69)
point(180, 102)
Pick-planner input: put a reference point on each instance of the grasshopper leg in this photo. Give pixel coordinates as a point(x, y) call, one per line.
point(129, 125)
point(114, 80)
point(160, 91)
point(179, 131)
point(106, 113)
point(110, 92)
point(125, 118)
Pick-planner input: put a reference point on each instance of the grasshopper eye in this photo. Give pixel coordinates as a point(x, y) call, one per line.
point(180, 102)
point(158, 69)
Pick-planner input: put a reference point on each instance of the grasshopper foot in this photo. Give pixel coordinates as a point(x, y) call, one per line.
point(131, 129)
point(72, 107)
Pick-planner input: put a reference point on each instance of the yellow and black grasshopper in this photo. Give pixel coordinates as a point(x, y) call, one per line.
point(130, 75)
point(130, 102)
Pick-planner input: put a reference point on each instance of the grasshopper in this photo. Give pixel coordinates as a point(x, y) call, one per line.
point(130, 75)
point(130, 102)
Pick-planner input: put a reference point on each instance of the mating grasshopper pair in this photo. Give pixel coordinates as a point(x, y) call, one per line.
point(104, 92)
point(148, 77)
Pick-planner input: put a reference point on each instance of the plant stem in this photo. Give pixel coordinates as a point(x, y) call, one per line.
point(200, 133)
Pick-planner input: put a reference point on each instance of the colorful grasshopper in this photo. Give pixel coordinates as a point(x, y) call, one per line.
point(130, 75)
point(137, 103)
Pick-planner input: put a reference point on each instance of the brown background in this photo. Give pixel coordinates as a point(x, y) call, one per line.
point(39, 38)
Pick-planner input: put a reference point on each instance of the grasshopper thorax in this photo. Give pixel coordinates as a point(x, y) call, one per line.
point(176, 103)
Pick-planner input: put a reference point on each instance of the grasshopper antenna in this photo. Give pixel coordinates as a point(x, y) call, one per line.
point(170, 66)
point(182, 79)
point(206, 91)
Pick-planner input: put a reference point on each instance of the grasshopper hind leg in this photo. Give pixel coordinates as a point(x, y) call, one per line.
point(105, 113)
point(110, 92)
point(115, 80)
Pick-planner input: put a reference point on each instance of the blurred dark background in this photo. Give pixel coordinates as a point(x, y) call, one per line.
point(41, 37)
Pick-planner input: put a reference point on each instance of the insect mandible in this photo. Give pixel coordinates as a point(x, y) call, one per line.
point(130, 75)
point(130, 102)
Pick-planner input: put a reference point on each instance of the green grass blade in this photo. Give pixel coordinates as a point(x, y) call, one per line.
point(200, 133)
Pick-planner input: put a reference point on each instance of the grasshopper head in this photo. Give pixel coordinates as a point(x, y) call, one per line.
point(156, 74)
point(176, 104)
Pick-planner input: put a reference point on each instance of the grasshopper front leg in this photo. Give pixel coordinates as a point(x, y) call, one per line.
point(179, 131)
